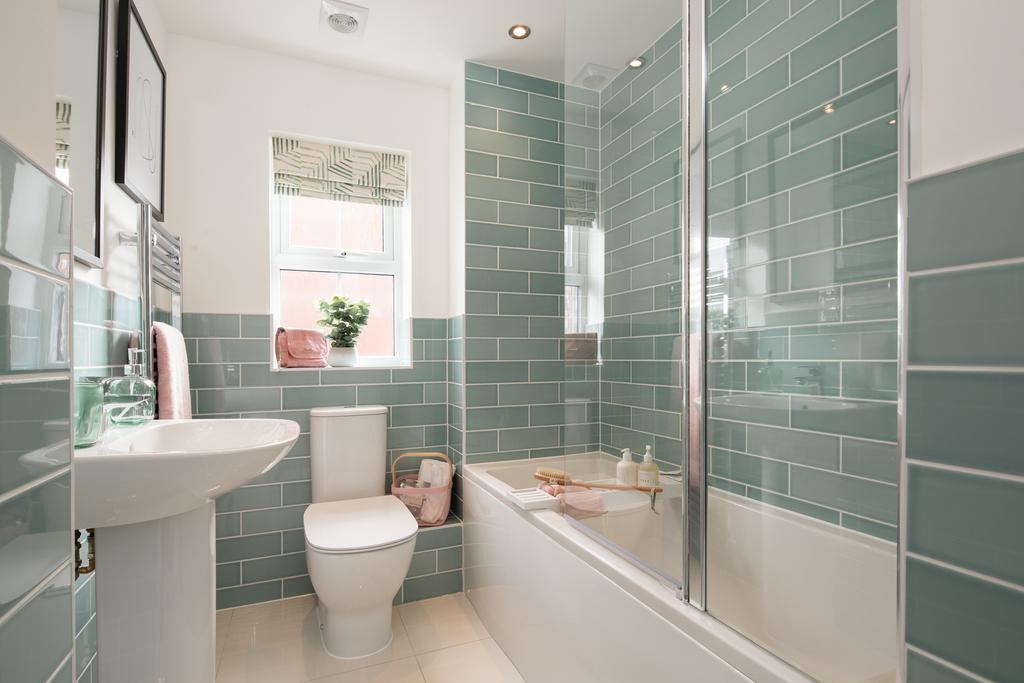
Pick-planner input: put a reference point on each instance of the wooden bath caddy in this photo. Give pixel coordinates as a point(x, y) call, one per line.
point(552, 476)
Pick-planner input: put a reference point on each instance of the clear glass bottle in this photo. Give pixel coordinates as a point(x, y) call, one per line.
point(130, 400)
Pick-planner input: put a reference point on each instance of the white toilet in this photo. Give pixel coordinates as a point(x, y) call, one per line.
point(359, 540)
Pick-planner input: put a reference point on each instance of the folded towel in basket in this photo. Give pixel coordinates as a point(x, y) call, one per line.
point(434, 473)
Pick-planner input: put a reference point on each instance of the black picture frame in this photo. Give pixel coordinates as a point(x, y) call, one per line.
point(94, 259)
point(127, 13)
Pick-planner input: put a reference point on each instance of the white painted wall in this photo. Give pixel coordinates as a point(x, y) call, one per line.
point(966, 60)
point(457, 197)
point(223, 104)
point(28, 77)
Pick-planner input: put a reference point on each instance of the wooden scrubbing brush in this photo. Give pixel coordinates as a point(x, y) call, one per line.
point(555, 476)
point(551, 475)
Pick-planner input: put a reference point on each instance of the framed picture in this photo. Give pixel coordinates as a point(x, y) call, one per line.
point(141, 100)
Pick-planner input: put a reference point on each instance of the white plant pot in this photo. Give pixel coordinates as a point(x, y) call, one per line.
point(342, 357)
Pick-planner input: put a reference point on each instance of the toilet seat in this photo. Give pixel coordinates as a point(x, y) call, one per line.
point(359, 525)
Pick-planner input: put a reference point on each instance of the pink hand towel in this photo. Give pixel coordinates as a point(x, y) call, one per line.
point(170, 372)
point(577, 501)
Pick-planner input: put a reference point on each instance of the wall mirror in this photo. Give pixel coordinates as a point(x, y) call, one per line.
point(81, 80)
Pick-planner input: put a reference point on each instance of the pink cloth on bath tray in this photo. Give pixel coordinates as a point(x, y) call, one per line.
point(577, 501)
point(173, 398)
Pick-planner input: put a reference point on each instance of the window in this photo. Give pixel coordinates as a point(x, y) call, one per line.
point(584, 277)
point(338, 222)
point(62, 167)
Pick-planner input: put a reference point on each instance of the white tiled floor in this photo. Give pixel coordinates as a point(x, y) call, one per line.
point(440, 640)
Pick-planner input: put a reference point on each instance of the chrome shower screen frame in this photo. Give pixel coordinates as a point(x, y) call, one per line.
point(694, 302)
point(904, 104)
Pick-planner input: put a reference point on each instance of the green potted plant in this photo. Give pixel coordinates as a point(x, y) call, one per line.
point(345, 320)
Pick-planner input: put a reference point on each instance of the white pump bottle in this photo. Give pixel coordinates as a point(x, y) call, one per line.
point(626, 469)
point(647, 473)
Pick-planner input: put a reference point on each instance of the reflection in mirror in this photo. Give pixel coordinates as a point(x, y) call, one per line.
point(160, 275)
point(81, 64)
point(166, 307)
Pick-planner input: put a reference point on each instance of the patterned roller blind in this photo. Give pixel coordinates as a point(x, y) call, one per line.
point(323, 171)
point(63, 134)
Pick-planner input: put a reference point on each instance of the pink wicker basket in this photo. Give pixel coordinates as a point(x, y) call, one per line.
point(429, 505)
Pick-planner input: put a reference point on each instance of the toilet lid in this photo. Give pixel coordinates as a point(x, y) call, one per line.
point(356, 525)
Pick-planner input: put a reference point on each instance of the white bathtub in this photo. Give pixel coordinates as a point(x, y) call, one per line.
point(565, 607)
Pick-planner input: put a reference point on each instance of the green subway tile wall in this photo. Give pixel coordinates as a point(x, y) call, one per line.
point(532, 180)
point(641, 186)
point(86, 645)
point(36, 566)
point(802, 260)
point(104, 324)
point(31, 308)
point(965, 387)
point(260, 542)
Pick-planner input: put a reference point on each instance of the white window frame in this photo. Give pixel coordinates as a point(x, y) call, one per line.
point(392, 261)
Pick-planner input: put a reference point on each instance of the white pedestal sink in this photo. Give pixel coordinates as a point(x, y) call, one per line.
point(149, 491)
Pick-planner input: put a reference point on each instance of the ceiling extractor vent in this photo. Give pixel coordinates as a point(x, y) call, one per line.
point(343, 17)
point(594, 76)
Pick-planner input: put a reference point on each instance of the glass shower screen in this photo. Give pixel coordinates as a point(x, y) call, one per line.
point(622, 133)
point(801, 329)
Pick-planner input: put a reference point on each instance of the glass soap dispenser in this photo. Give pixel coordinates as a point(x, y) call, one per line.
point(130, 400)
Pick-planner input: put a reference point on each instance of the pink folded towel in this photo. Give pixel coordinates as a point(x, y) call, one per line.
point(577, 501)
point(170, 372)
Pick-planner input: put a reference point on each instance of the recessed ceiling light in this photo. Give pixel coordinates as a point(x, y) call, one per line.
point(519, 31)
point(637, 62)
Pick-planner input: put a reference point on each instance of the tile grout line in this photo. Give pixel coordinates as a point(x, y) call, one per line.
point(874, 82)
point(969, 471)
point(950, 665)
point(816, 468)
point(790, 154)
point(965, 572)
point(775, 195)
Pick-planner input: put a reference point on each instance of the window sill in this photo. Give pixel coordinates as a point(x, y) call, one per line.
point(386, 365)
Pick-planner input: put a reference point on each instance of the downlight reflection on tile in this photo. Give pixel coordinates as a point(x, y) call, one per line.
point(636, 63)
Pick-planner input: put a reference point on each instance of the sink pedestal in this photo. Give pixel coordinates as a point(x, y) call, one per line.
point(148, 491)
point(155, 593)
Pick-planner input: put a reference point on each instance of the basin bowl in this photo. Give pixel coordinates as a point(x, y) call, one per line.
point(167, 467)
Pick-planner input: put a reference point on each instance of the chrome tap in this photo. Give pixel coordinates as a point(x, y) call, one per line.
point(814, 378)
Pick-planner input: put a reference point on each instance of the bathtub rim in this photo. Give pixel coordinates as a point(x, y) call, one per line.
point(671, 582)
point(720, 640)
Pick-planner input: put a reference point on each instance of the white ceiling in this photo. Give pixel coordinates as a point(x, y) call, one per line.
point(427, 40)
